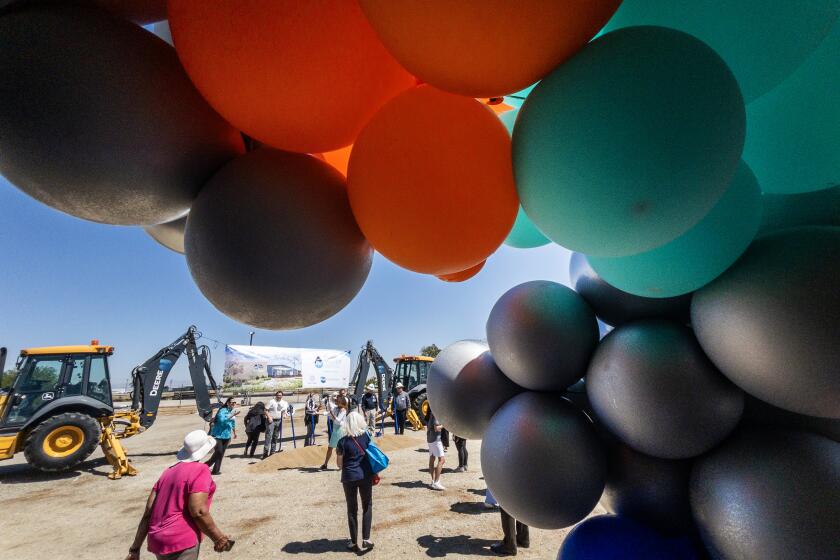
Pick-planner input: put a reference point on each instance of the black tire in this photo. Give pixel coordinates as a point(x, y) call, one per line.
point(77, 423)
point(418, 407)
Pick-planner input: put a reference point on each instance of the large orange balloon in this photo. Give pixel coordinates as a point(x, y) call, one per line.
point(431, 181)
point(298, 75)
point(463, 275)
point(485, 48)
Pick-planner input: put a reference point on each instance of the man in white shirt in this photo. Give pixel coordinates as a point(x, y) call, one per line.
point(276, 409)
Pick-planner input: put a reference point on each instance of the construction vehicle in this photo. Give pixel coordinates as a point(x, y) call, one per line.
point(411, 371)
point(59, 406)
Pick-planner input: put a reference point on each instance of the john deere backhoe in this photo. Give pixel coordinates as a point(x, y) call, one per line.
point(411, 372)
point(59, 406)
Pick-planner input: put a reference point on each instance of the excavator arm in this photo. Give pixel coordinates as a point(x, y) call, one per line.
point(148, 381)
point(384, 382)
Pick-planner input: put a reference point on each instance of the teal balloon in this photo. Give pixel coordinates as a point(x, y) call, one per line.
point(785, 211)
point(793, 132)
point(762, 41)
point(508, 119)
point(629, 143)
point(699, 255)
point(525, 234)
point(518, 98)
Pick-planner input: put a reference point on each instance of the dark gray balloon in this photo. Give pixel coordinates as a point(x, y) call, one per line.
point(138, 11)
point(271, 241)
point(770, 322)
point(543, 460)
point(816, 208)
point(769, 494)
point(170, 234)
point(616, 307)
point(99, 120)
point(760, 413)
point(651, 490)
point(466, 387)
point(542, 335)
point(651, 386)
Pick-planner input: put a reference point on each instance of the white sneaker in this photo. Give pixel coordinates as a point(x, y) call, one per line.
point(438, 486)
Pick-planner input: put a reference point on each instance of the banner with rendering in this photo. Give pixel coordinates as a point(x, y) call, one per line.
point(269, 368)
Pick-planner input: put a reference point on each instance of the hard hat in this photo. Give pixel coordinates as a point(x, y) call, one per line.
point(400, 386)
point(369, 387)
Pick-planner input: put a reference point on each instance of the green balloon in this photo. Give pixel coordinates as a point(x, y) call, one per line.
point(699, 255)
point(629, 143)
point(762, 41)
point(793, 132)
point(784, 211)
point(525, 234)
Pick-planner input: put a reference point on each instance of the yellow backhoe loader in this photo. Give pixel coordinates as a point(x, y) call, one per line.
point(59, 407)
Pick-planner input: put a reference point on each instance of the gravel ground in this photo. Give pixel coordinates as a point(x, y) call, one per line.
point(272, 513)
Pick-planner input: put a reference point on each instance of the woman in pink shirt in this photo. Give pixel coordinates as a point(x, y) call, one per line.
point(178, 508)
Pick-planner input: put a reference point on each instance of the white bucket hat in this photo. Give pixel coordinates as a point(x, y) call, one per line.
point(197, 444)
point(400, 386)
point(369, 387)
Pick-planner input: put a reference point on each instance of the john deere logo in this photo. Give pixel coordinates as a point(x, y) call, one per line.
point(319, 363)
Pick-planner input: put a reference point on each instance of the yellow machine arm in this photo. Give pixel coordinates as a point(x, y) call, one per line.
point(411, 417)
point(121, 425)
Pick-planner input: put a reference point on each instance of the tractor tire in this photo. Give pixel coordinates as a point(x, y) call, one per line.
point(421, 407)
point(61, 442)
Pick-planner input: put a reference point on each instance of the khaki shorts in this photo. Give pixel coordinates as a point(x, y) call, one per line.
point(188, 554)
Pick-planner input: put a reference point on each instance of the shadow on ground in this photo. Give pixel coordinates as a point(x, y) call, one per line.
point(412, 484)
point(470, 508)
point(24, 473)
point(439, 547)
point(317, 546)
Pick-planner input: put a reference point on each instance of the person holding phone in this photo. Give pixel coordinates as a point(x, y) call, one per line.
point(223, 429)
point(177, 510)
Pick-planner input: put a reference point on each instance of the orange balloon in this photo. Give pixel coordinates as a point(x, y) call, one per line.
point(339, 159)
point(463, 275)
point(485, 48)
point(431, 181)
point(303, 76)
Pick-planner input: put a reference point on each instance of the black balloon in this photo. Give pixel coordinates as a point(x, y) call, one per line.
point(815, 208)
point(616, 307)
point(760, 413)
point(770, 322)
point(769, 494)
point(271, 241)
point(98, 118)
point(466, 387)
point(542, 335)
point(170, 234)
point(651, 490)
point(651, 386)
point(543, 460)
point(138, 11)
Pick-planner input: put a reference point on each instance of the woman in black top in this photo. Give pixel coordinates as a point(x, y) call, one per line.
point(356, 476)
point(255, 423)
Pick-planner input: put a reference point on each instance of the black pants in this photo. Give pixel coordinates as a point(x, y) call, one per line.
point(311, 422)
point(365, 489)
point(516, 532)
point(463, 454)
point(251, 444)
point(215, 462)
point(401, 421)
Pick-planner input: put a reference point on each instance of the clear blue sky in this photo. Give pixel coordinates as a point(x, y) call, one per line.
point(66, 281)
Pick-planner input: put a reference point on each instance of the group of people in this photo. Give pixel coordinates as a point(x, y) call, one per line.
point(177, 512)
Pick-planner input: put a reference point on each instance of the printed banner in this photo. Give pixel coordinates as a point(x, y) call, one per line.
point(267, 368)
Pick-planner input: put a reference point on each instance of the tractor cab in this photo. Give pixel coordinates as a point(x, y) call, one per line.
point(412, 372)
point(52, 381)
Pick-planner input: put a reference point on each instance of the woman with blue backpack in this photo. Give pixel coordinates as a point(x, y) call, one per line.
point(360, 461)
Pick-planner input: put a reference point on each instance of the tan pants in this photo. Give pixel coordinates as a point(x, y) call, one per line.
point(188, 554)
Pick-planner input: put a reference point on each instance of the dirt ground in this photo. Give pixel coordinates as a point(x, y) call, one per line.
point(271, 513)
